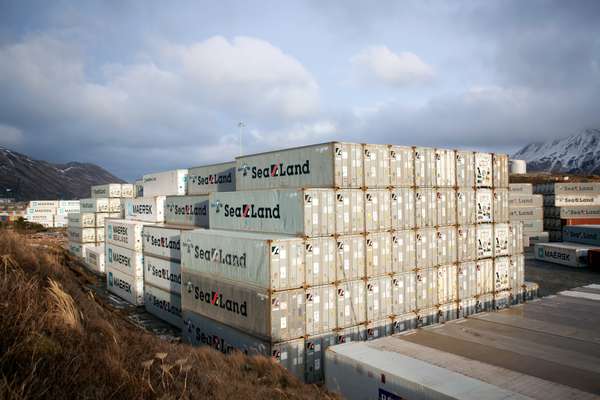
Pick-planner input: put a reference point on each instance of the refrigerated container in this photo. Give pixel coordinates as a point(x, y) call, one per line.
point(569, 254)
point(520, 188)
point(321, 311)
point(94, 257)
point(515, 231)
point(403, 251)
point(106, 191)
point(501, 274)
point(402, 205)
point(500, 205)
point(164, 305)
point(148, 209)
point(586, 234)
point(427, 290)
point(484, 276)
point(350, 258)
point(466, 212)
point(101, 217)
point(483, 170)
point(211, 178)
point(94, 205)
point(447, 251)
point(465, 169)
point(446, 207)
point(485, 240)
point(587, 212)
point(525, 200)
point(425, 175)
point(162, 241)
point(81, 235)
point(404, 298)
point(445, 168)
point(402, 166)
point(425, 207)
point(376, 166)
point(484, 202)
point(526, 213)
point(502, 242)
point(517, 271)
point(130, 289)
point(578, 188)
point(379, 298)
point(378, 252)
point(467, 280)
point(124, 260)
point(167, 183)
point(187, 210)
point(500, 170)
point(466, 242)
point(124, 233)
point(350, 304)
point(314, 357)
point(349, 211)
point(82, 220)
point(162, 274)
point(426, 248)
point(320, 260)
point(378, 215)
point(447, 281)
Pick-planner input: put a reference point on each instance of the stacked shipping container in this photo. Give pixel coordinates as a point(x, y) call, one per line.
point(528, 208)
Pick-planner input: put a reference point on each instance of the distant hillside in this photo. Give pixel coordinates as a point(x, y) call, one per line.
point(576, 154)
point(26, 179)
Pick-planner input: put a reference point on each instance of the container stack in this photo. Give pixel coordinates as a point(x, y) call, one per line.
point(529, 209)
point(338, 242)
point(51, 213)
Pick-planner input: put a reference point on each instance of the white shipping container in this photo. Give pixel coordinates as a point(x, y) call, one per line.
point(467, 280)
point(403, 251)
point(483, 170)
point(485, 240)
point(81, 235)
point(500, 171)
point(327, 165)
point(501, 273)
point(542, 237)
point(275, 316)
point(376, 166)
point(533, 226)
point(82, 220)
point(378, 215)
point(465, 169)
point(425, 207)
point(577, 200)
point(485, 276)
point(321, 313)
point(164, 305)
point(525, 200)
point(148, 209)
point(517, 271)
point(404, 298)
point(576, 189)
point(402, 166)
point(162, 241)
point(402, 206)
point(114, 205)
point(80, 249)
point(168, 183)
point(446, 206)
point(426, 249)
point(44, 203)
point(211, 178)
point(378, 250)
point(350, 258)
point(569, 254)
point(125, 286)
point(68, 203)
point(502, 242)
point(579, 212)
point(139, 188)
point(520, 188)
point(94, 205)
point(446, 245)
point(377, 329)
point(305, 212)
point(516, 237)
point(349, 211)
point(445, 168)
point(379, 298)
point(41, 210)
point(46, 220)
point(484, 202)
point(427, 291)
point(466, 242)
point(316, 345)
point(94, 257)
point(187, 210)
point(466, 212)
point(425, 175)
point(67, 210)
point(500, 206)
point(320, 259)
point(105, 191)
point(124, 260)
point(351, 307)
point(124, 233)
point(127, 190)
point(526, 213)
point(162, 274)
point(447, 276)
point(100, 218)
point(99, 234)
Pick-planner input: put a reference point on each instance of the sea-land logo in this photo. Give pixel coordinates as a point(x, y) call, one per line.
point(216, 299)
point(279, 169)
point(211, 179)
point(249, 210)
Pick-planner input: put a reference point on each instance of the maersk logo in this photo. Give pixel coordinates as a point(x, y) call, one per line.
point(118, 258)
point(141, 209)
point(275, 170)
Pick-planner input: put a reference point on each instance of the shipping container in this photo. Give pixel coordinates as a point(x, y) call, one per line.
point(81, 235)
point(525, 200)
point(404, 251)
point(586, 234)
point(500, 206)
point(576, 189)
point(517, 271)
point(211, 178)
point(484, 203)
point(447, 252)
point(402, 166)
point(82, 220)
point(139, 188)
point(533, 226)
point(315, 347)
point(124, 260)
point(445, 168)
point(127, 190)
point(105, 191)
point(515, 231)
point(466, 242)
point(199, 330)
point(79, 249)
point(542, 237)
point(379, 298)
point(425, 175)
point(320, 260)
point(377, 329)
point(402, 206)
point(187, 210)
point(502, 299)
point(350, 334)
point(378, 251)
point(582, 212)
point(466, 213)
point(483, 170)
point(94, 257)
point(485, 240)
point(467, 307)
point(125, 286)
point(41, 210)
point(425, 207)
point(569, 254)
point(378, 215)
point(168, 183)
point(101, 217)
point(484, 276)
point(447, 312)
point(321, 312)
point(275, 316)
point(427, 289)
point(44, 203)
point(164, 305)
point(582, 221)
point(376, 166)
point(520, 188)
point(502, 240)
point(350, 304)
point(349, 211)
point(405, 322)
point(467, 280)
point(426, 249)
point(162, 241)
point(162, 274)
point(305, 212)
point(99, 234)
point(94, 205)
point(501, 274)
point(447, 281)
point(148, 209)
point(446, 206)
point(526, 213)
point(114, 205)
point(350, 258)
point(404, 298)
point(548, 200)
point(577, 200)
point(427, 316)
point(327, 165)
point(500, 171)
point(67, 209)
point(124, 233)
point(465, 169)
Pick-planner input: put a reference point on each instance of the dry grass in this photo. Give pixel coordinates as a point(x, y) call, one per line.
point(58, 341)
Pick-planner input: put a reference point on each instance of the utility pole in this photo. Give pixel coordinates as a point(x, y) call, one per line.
point(241, 126)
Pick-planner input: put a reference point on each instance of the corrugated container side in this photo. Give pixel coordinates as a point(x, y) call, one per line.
point(515, 231)
point(187, 210)
point(467, 307)
point(211, 178)
point(404, 299)
point(427, 291)
point(500, 206)
point(350, 259)
point(402, 166)
point(484, 303)
point(403, 251)
point(447, 277)
point(349, 211)
point(82, 220)
point(467, 280)
point(484, 200)
point(425, 175)
point(466, 211)
point(163, 274)
point(428, 316)
point(127, 190)
point(426, 249)
point(501, 273)
point(320, 259)
point(500, 171)
point(81, 235)
point(445, 168)
point(378, 253)
point(124, 260)
point(100, 218)
point(379, 298)
point(95, 259)
point(376, 162)
point(466, 242)
point(104, 191)
point(520, 188)
point(465, 169)
point(321, 312)
point(446, 206)
point(378, 329)
point(517, 271)
point(126, 287)
point(164, 305)
point(485, 276)
point(448, 311)
point(378, 215)
point(315, 356)
point(93, 205)
point(351, 307)
point(405, 322)
point(483, 170)
point(485, 240)
point(350, 334)
point(99, 234)
point(402, 206)
point(425, 207)
point(447, 251)
point(501, 240)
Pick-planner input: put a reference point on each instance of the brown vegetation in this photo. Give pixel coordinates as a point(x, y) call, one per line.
point(58, 341)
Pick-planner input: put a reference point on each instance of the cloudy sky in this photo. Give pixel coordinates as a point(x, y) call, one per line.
point(142, 86)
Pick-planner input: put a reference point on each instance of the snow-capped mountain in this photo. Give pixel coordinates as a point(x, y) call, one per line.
point(576, 154)
point(24, 178)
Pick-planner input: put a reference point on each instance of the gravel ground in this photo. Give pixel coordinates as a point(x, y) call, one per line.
point(553, 278)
